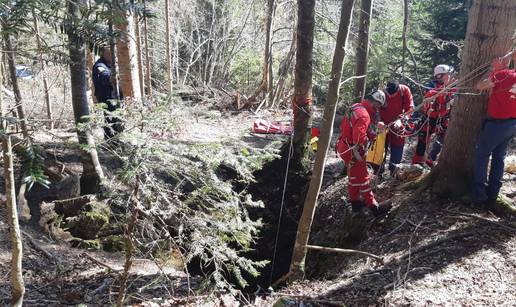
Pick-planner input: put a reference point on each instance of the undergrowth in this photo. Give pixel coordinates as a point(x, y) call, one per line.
point(193, 197)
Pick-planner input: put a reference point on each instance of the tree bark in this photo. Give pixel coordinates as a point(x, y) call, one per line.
point(297, 266)
point(490, 33)
point(90, 61)
point(92, 174)
point(11, 55)
point(168, 47)
point(284, 70)
point(302, 101)
point(126, 48)
point(115, 77)
point(141, 80)
point(148, 76)
point(404, 33)
point(48, 105)
point(362, 52)
point(265, 86)
point(17, 285)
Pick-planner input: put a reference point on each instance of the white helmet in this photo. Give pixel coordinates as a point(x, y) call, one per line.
point(379, 96)
point(442, 69)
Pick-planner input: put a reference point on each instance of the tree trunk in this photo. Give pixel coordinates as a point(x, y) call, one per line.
point(139, 57)
point(404, 33)
point(362, 52)
point(126, 48)
point(90, 61)
point(115, 78)
point(297, 266)
point(168, 47)
point(148, 76)
point(17, 285)
point(42, 72)
point(302, 101)
point(265, 86)
point(11, 54)
point(92, 174)
point(490, 34)
point(284, 69)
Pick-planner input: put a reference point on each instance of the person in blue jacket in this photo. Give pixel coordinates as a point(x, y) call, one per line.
point(105, 93)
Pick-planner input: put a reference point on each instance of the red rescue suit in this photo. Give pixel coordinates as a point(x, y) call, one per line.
point(396, 104)
point(502, 101)
point(437, 112)
point(355, 133)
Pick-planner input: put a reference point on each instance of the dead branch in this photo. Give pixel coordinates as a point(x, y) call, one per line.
point(345, 251)
point(100, 263)
point(38, 247)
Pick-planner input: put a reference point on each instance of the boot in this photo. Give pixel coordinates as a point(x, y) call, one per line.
point(417, 159)
point(380, 209)
point(357, 205)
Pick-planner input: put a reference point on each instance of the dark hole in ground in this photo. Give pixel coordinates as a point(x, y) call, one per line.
point(273, 243)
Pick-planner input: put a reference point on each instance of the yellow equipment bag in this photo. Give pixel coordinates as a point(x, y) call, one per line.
point(376, 153)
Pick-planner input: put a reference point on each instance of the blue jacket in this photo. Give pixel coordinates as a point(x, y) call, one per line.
point(101, 75)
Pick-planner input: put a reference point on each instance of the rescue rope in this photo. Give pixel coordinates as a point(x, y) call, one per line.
point(300, 105)
point(290, 149)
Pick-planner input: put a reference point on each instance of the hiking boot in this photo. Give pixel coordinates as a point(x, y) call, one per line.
point(380, 209)
point(500, 205)
point(357, 206)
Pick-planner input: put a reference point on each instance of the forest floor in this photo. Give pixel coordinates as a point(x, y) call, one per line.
point(435, 251)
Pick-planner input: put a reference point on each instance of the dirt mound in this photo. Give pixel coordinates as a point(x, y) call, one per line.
point(434, 252)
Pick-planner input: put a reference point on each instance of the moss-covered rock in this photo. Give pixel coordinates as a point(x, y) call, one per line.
point(87, 224)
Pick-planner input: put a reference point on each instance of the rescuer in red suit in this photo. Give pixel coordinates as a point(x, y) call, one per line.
point(356, 130)
point(398, 101)
point(437, 111)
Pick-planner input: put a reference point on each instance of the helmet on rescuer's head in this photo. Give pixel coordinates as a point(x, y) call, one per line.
point(379, 97)
point(443, 69)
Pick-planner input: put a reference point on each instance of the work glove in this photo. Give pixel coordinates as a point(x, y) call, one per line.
point(380, 127)
point(357, 153)
point(397, 125)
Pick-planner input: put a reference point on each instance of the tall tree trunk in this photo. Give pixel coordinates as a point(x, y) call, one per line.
point(362, 52)
point(139, 57)
point(297, 266)
point(266, 84)
point(115, 76)
point(92, 174)
point(90, 61)
point(126, 47)
point(268, 54)
point(17, 285)
point(302, 101)
point(148, 76)
point(490, 33)
point(11, 55)
point(404, 33)
point(168, 47)
point(284, 69)
point(43, 73)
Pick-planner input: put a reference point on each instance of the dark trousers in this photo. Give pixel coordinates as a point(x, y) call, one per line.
point(493, 141)
point(114, 124)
